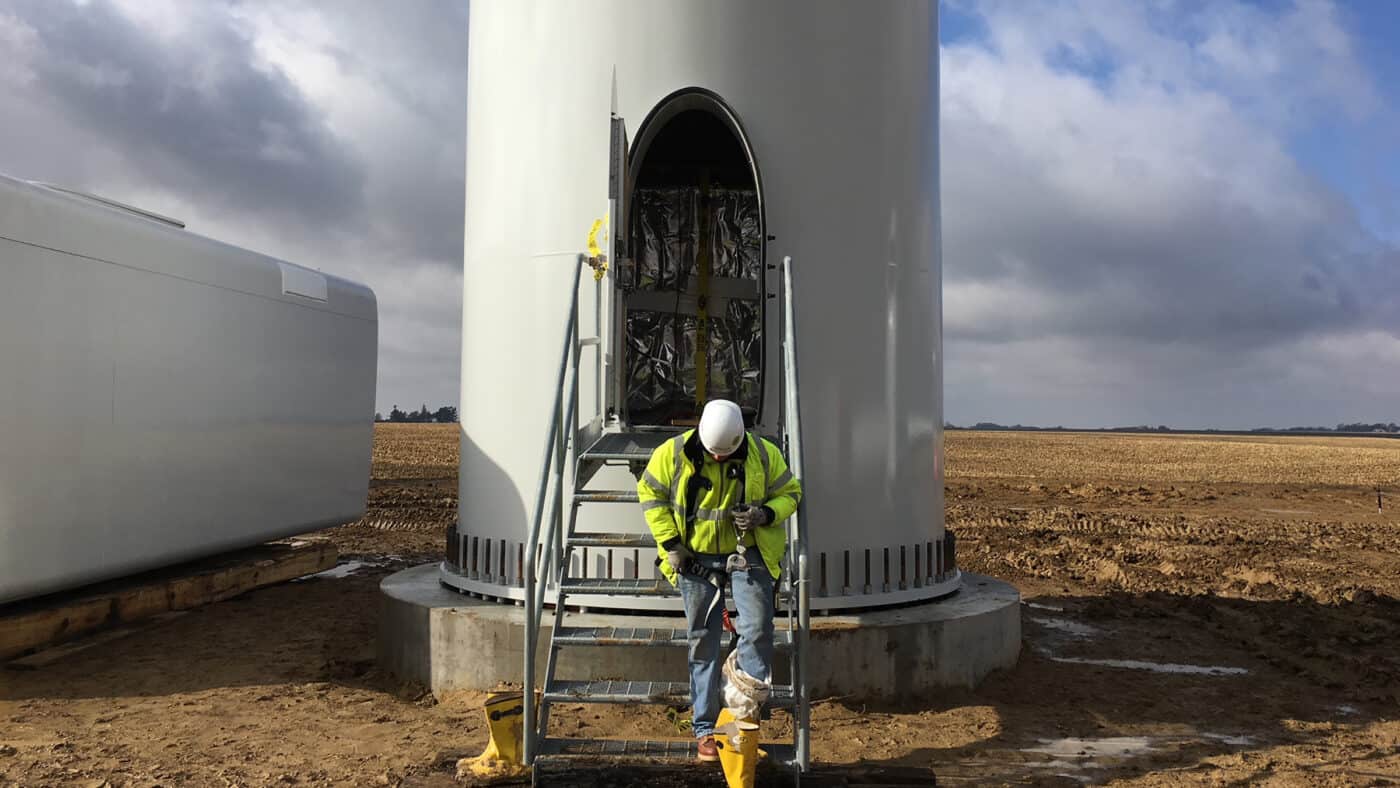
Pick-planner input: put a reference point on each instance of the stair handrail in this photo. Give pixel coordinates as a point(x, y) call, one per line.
point(534, 591)
point(792, 429)
point(556, 447)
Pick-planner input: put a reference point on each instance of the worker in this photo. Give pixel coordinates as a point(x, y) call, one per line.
point(714, 498)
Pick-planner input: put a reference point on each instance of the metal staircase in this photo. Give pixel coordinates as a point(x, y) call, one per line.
point(553, 540)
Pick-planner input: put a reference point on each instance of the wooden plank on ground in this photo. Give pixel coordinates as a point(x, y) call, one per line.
point(52, 654)
point(40, 623)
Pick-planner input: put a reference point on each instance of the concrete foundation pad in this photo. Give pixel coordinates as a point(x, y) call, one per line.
point(452, 642)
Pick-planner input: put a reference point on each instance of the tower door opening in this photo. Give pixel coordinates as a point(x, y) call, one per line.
point(693, 295)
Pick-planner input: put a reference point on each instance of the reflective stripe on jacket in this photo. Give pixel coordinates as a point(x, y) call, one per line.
point(676, 501)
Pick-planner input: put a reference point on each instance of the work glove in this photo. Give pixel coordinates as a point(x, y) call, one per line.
point(676, 557)
point(747, 518)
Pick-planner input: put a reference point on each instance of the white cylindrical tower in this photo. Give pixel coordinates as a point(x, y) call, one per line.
point(756, 131)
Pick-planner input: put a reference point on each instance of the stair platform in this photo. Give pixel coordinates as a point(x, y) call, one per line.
point(628, 446)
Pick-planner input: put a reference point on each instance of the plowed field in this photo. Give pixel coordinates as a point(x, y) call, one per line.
point(1198, 611)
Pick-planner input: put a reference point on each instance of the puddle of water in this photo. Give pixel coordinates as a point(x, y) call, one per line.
point(1346, 710)
point(1233, 741)
point(1039, 606)
point(1072, 628)
point(348, 568)
point(1066, 765)
point(1080, 754)
point(1111, 747)
point(1155, 667)
point(340, 570)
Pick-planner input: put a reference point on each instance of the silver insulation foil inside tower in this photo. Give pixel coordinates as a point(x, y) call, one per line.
point(670, 299)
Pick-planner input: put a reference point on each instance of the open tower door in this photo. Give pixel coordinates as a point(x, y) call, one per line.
point(691, 289)
point(618, 192)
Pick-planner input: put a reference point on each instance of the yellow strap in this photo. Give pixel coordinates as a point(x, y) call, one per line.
point(596, 259)
point(702, 312)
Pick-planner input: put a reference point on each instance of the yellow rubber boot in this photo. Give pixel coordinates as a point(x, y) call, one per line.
point(505, 721)
point(737, 741)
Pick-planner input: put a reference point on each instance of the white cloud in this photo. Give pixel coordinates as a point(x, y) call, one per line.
point(1128, 236)
point(169, 19)
point(329, 134)
point(390, 81)
point(1124, 219)
point(18, 44)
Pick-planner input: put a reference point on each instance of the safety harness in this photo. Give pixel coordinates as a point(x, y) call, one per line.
point(733, 470)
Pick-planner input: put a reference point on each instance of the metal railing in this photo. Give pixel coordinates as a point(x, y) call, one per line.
point(545, 540)
point(556, 449)
point(797, 531)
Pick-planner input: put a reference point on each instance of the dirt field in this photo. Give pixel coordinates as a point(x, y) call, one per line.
point(1199, 611)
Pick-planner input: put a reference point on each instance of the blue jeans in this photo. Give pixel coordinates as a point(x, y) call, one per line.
point(752, 591)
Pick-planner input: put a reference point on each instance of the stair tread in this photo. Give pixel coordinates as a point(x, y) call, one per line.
point(649, 749)
point(607, 496)
point(620, 587)
point(667, 692)
point(612, 540)
point(639, 636)
point(621, 636)
point(629, 587)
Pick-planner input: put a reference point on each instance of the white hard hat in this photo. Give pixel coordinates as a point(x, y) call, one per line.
point(721, 427)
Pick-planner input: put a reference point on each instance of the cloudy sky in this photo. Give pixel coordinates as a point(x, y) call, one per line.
point(1165, 212)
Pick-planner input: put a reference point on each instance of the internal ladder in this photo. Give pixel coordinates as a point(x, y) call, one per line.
point(553, 541)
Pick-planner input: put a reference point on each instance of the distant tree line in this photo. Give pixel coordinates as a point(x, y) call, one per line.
point(443, 415)
point(993, 426)
point(1389, 427)
point(1360, 427)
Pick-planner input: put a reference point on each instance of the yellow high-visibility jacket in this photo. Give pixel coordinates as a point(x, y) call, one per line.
point(686, 495)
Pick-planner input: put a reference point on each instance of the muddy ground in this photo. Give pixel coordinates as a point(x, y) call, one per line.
point(1236, 625)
